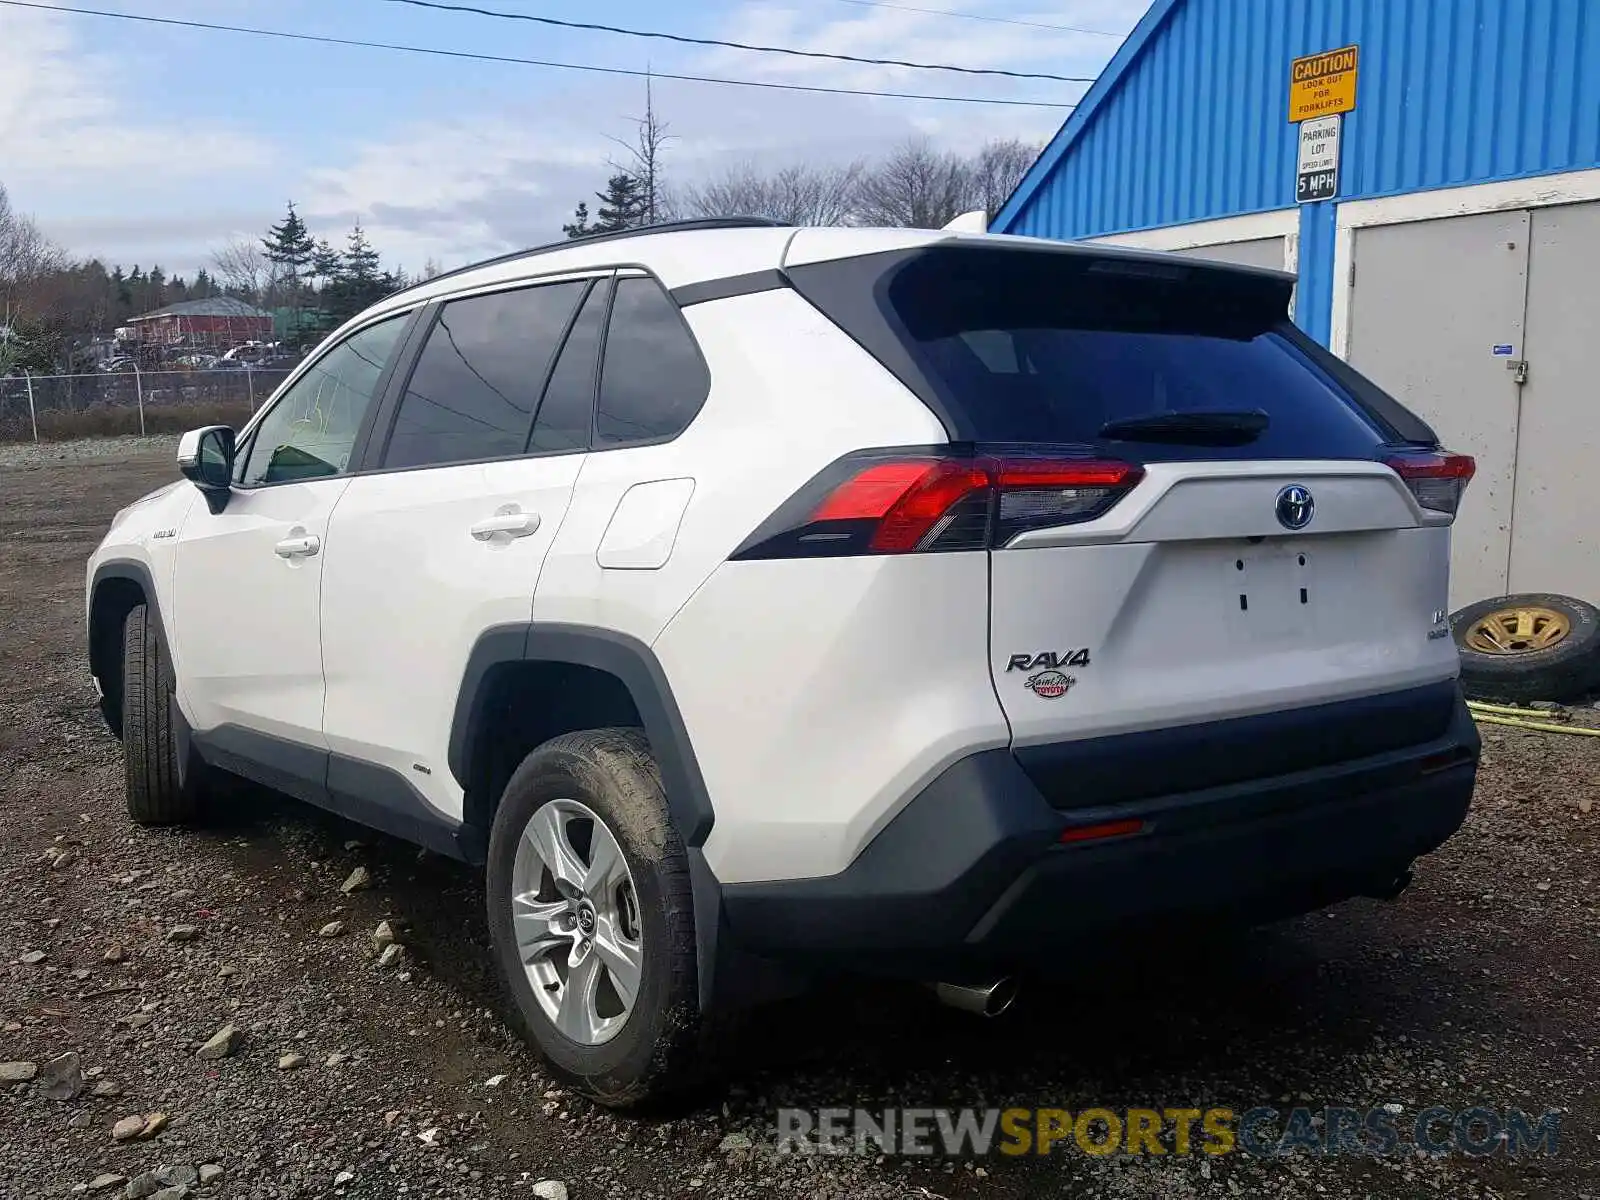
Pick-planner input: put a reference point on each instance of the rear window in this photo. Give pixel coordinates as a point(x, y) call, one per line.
point(1064, 348)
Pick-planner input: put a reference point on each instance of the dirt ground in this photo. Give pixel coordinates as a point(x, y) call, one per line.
point(1477, 987)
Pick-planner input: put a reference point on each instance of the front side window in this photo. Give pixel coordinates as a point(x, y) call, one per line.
point(310, 431)
point(473, 392)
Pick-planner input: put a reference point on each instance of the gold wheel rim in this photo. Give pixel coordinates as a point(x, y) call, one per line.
point(1523, 629)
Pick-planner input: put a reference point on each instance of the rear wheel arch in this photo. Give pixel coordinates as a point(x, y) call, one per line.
point(617, 676)
point(594, 678)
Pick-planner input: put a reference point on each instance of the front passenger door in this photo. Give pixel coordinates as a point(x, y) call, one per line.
point(247, 580)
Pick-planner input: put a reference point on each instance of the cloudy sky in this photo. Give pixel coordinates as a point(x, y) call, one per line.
point(145, 143)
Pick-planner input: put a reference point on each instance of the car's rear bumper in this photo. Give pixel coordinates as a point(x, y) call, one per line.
point(973, 874)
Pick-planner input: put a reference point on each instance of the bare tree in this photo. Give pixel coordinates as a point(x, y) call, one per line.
point(917, 186)
point(644, 163)
point(242, 267)
point(36, 292)
point(797, 195)
point(26, 253)
point(996, 170)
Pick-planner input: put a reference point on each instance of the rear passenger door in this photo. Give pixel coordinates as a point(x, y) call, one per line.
point(444, 533)
point(618, 563)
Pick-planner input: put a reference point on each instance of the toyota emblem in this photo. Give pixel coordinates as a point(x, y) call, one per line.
point(1295, 506)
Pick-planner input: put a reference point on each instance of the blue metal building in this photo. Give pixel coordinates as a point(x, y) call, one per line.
point(1431, 171)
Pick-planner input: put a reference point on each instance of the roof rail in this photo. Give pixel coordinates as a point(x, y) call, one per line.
point(612, 235)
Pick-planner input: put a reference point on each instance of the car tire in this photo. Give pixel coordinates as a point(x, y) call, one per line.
point(149, 742)
point(1526, 647)
point(621, 1053)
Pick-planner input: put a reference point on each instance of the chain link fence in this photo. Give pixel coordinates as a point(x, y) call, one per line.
point(45, 408)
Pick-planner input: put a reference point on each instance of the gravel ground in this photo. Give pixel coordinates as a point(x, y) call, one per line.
point(347, 1078)
point(38, 454)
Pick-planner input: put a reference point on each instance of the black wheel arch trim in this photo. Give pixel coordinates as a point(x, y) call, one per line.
point(630, 661)
point(135, 571)
point(636, 666)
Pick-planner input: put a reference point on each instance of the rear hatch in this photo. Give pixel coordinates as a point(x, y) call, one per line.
point(1195, 516)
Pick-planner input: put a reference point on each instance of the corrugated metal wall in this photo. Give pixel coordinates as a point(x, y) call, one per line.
point(1451, 92)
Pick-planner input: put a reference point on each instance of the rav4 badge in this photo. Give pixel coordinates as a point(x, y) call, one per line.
point(1049, 685)
point(1053, 659)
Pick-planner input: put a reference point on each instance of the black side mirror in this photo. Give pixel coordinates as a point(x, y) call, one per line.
point(205, 457)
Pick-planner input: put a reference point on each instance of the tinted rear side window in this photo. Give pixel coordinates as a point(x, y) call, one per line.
point(653, 381)
point(1042, 346)
point(473, 391)
point(567, 410)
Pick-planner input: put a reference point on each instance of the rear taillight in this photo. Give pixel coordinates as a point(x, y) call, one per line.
point(1437, 480)
point(886, 502)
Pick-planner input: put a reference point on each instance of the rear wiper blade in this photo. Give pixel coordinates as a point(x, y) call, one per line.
point(1217, 428)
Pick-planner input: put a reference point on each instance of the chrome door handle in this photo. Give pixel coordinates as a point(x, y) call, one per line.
point(298, 547)
point(515, 524)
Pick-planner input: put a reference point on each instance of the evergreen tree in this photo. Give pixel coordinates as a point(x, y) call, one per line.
point(289, 248)
point(580, 222)
point(357, 281)
point(359, 267)
point(288, 244)
point(156, 283)
point(202, 288)
point(622, 204)
point(324, 262)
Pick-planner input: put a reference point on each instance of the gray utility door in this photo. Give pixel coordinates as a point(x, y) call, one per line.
point(1261, 252)
point(1555, 530)
point(1432, 302)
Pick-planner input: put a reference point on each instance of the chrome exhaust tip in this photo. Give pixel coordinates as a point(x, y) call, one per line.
point(985, 999)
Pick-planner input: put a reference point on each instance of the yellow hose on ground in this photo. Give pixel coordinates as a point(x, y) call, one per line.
point(1484, 718)
point(1508, 710)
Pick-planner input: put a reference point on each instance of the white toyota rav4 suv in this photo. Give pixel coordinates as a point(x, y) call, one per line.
point(756, 601)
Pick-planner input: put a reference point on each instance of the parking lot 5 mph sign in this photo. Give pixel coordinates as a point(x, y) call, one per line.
point(1317, 165)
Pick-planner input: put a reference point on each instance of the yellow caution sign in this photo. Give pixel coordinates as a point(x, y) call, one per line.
point(1323, 84)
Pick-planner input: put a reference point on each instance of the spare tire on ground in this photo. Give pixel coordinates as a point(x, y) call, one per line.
point(1531, 646)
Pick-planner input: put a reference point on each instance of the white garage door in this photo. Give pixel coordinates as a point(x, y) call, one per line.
point(1555, 524)
point(1260, 252)
point(1432, 301)
point(1441, 315)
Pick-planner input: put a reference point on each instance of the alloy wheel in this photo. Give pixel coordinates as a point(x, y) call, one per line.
point(575, 912)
